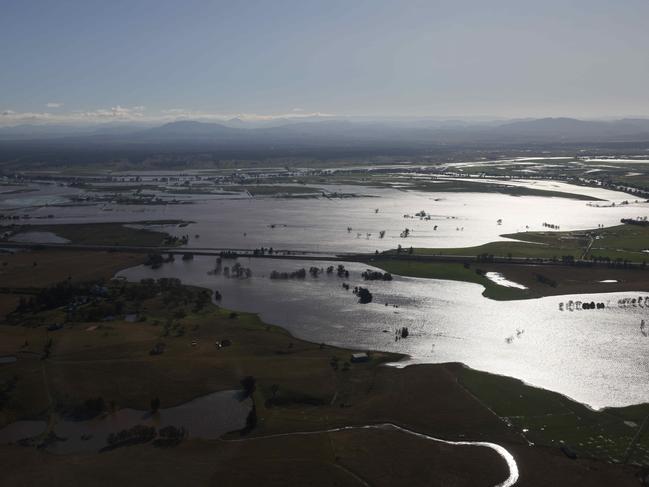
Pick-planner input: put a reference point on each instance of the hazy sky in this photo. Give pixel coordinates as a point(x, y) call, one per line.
point(105, 60)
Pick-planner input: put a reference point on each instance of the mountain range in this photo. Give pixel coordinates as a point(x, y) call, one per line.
point(330, 132)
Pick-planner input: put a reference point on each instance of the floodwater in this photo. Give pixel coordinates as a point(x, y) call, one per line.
point(353, 224)
point(207, 417)
point(598, 357)
point(20, 430)
point(501, 280)
point(38, 237)
point(595, 356)
point(616, 159)
point(37, 197)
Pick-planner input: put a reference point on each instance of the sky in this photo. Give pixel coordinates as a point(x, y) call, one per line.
point(138, 60)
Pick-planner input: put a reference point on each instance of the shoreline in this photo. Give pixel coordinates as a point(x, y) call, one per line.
point(293, 330)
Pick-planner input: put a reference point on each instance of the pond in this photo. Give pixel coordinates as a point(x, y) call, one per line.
point(207, 417)
point(38, 237)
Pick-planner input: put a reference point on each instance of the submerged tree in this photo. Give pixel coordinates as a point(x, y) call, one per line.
point(364, 295)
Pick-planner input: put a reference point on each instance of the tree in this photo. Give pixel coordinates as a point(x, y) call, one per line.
point(155, 405)
point(248, 384)
point(251, 420)
point(364, 295)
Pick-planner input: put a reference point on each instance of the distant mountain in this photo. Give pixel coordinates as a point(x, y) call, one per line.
point(576, 130)
point(236, 123)
point(41, 131)
point(345, 130)
point(189, 128)
point(52, 131)
point(330, 132)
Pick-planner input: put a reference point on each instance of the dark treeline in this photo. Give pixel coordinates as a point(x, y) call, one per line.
point(370, 275)
point(60, 294)
point(312, 271)
point(95, 301)
point(298, 274)
point(636, 221)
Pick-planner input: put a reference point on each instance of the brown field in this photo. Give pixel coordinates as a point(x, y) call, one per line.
point(381, 458)
point(46, 267)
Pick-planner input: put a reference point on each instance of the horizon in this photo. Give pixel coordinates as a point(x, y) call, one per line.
point(85, 63)
point(256, 120)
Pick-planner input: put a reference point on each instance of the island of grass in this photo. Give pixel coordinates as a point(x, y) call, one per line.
point(625, 242)
point(137, 234)
point(476, 186)
point(545, 263)
point(435, 184)
point(298, 386)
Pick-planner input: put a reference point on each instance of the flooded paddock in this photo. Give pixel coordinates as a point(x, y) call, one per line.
point(596, 356)
point(374, 219)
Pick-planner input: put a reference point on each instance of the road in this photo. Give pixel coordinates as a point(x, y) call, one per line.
point(304, 254)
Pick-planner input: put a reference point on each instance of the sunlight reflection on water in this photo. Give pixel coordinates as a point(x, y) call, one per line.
point(595, 356)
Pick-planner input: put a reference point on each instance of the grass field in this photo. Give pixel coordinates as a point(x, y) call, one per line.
point(451, 272)
point(47, 267)
point(548, 418)
point(618, 242)
point(430, 184)
point(477, 186)
point(562, 279)
point(97, 233)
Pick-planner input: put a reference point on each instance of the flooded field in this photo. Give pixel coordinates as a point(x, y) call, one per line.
point(447, 321)
point(348, 224)
point(597, 356)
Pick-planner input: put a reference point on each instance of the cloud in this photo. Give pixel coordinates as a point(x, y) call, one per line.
point(138, 113)
point(181, 113)
point(117, 112)
point(54, 104)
